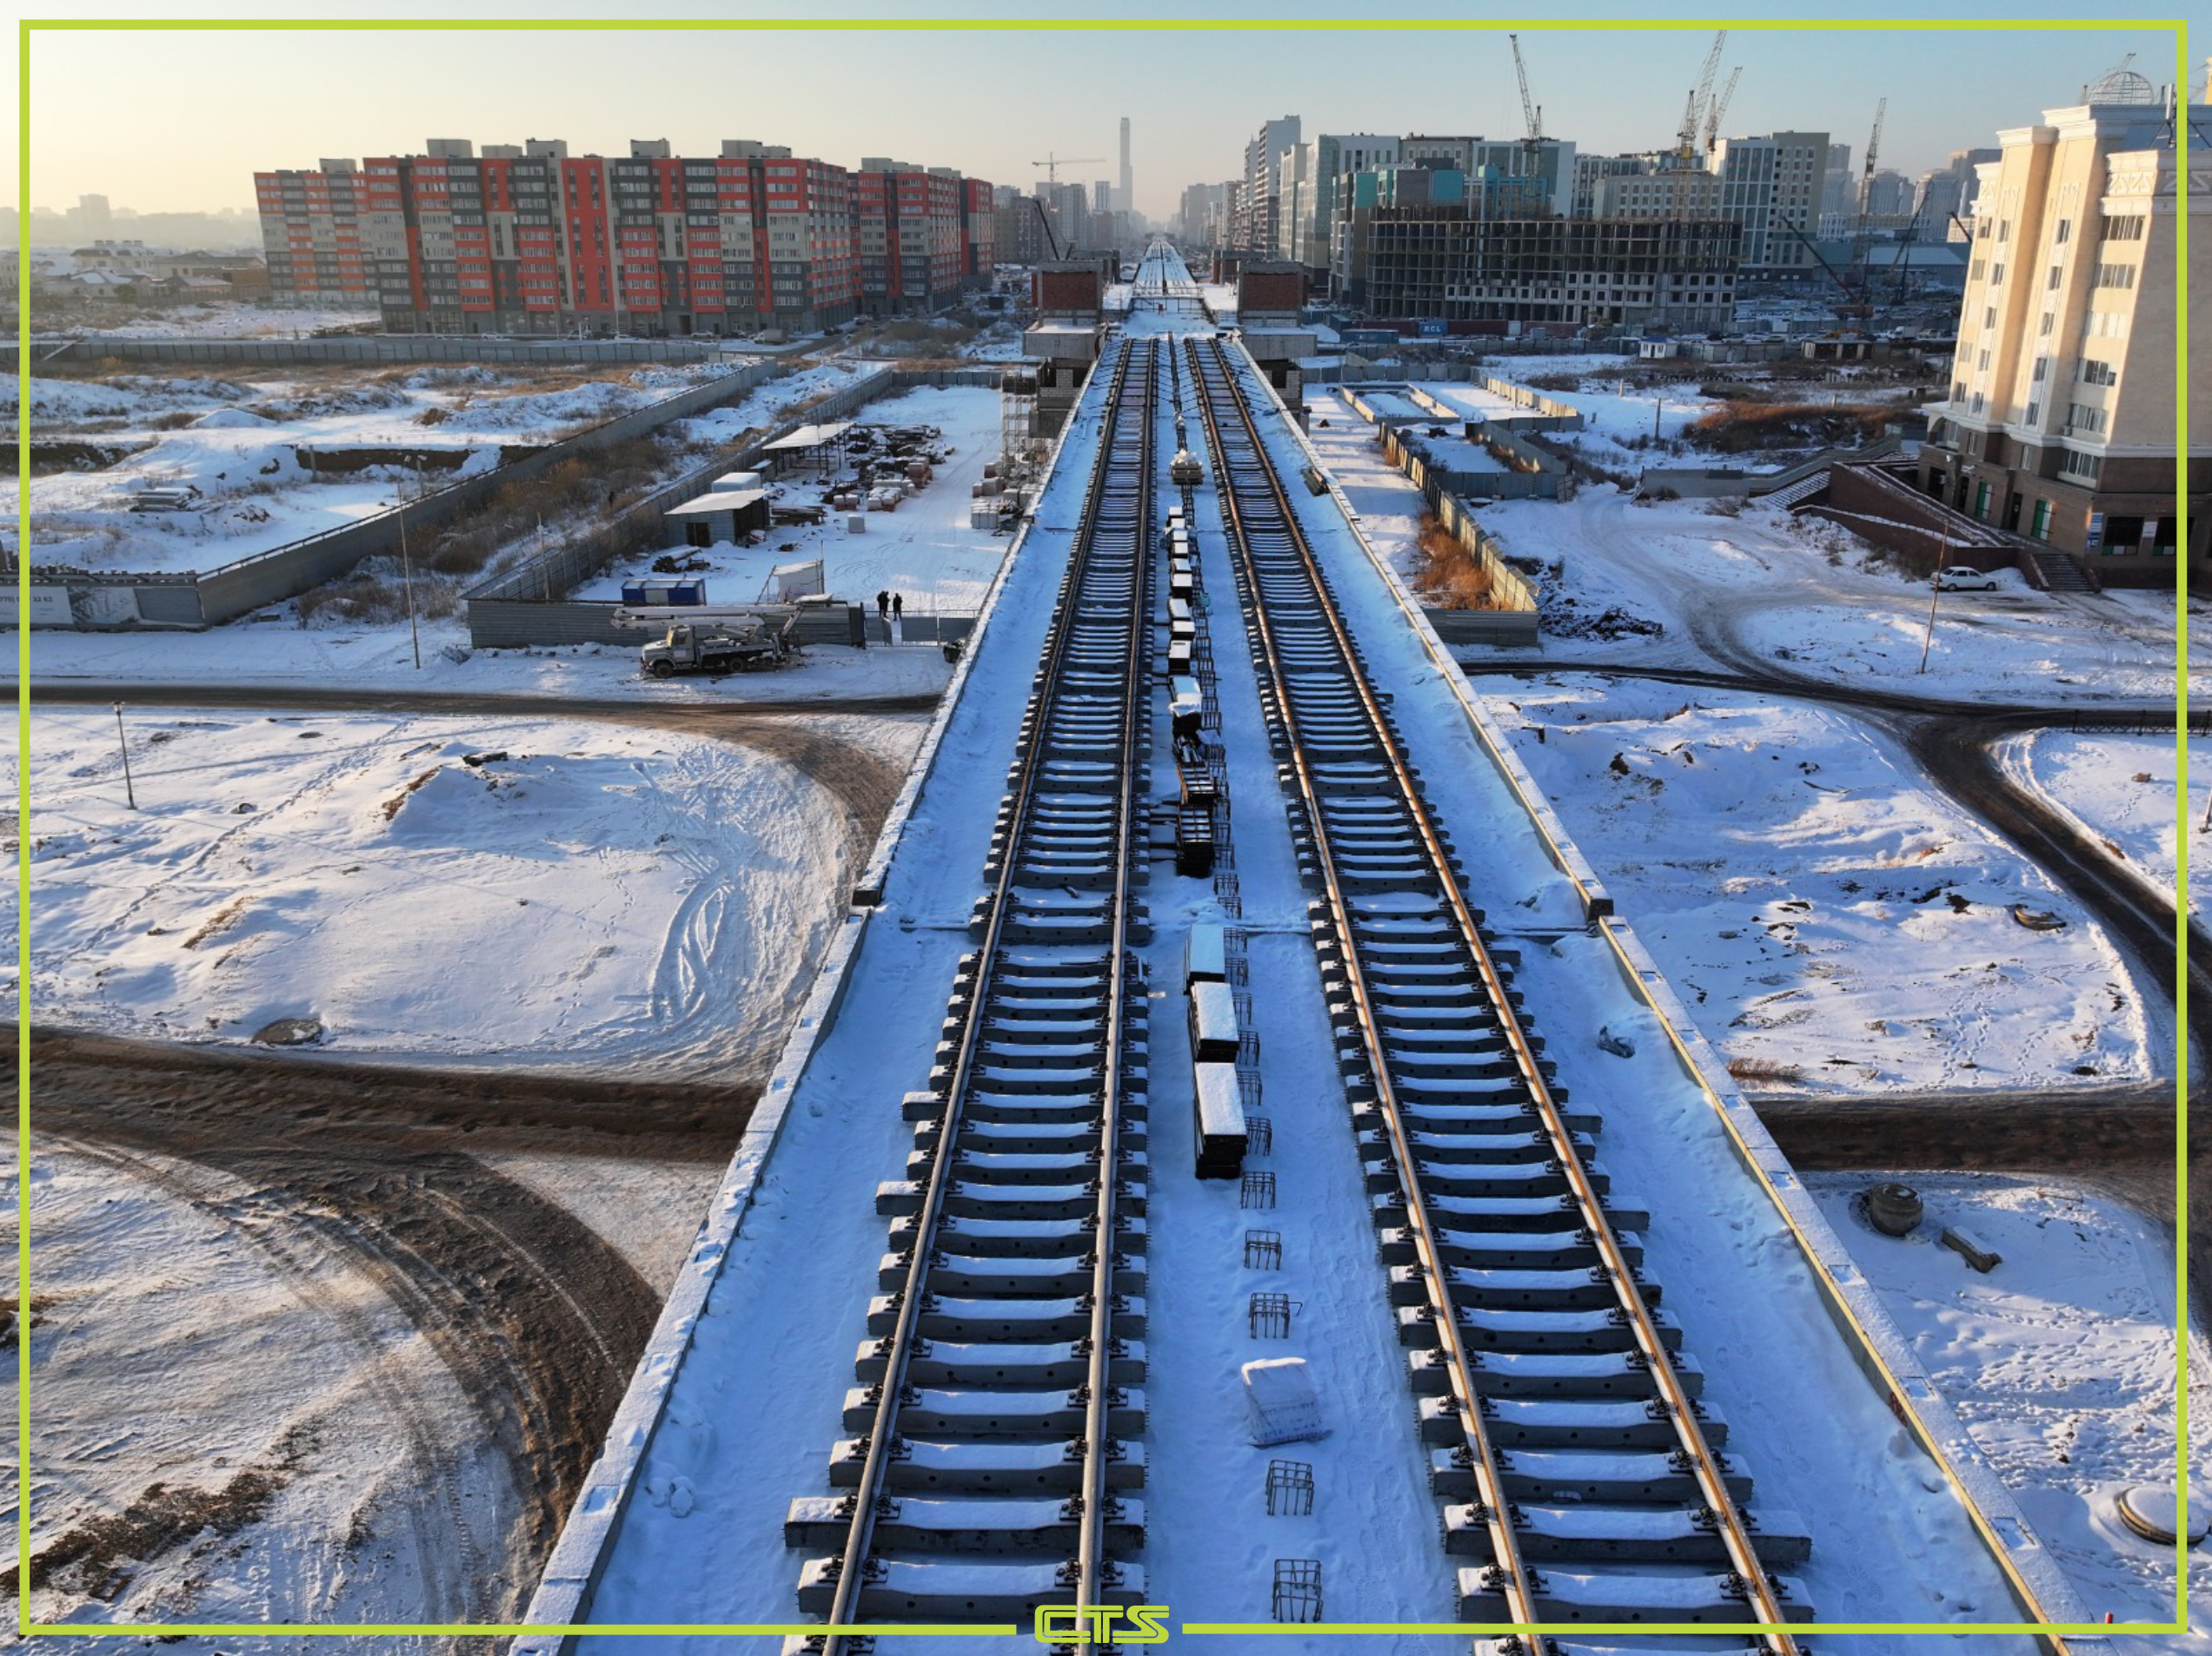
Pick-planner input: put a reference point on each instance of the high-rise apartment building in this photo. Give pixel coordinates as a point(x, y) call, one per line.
point(529, 239)
point(1773, 187)
point(1256, 205)
point(2060, 424)
point(1322, 170)
point(1948, 192)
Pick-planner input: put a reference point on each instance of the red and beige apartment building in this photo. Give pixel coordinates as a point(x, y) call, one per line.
point(529, 239)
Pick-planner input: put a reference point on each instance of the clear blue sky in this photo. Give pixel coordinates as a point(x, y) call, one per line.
point(157, 119)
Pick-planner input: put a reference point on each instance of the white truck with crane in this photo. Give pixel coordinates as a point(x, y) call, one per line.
point(695, 639)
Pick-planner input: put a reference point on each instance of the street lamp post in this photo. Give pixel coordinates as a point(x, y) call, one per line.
point(1935, 591)
point(407, 581)
point(130, 794)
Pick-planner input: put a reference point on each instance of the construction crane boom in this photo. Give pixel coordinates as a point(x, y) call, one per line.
point(1700, 96)
point(1873, 149)
point(1719, 107)
point(1052, 164)
point(1530, 113)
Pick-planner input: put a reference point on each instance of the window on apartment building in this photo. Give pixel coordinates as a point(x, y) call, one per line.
point(2042, 367)
point(2044, 328)
point(2034, 413)
point(1958, 390)
point(2064, 234)
point(2086, 467)
point(1989, 317)
point(2083, 417)
point(2057, 276)
point(2093, 372)
point(1980, 266)
point(1982, 501)
point(2126, 227)
point(2004, 230)
point(2115, 275)
point(2039, 521)
point(1982, 362)
point(1997, 274)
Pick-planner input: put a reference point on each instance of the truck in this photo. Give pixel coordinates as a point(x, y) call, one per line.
point(719, 646)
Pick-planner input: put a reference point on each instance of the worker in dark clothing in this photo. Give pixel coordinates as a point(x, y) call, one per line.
point(898, 604)
point(883, 606)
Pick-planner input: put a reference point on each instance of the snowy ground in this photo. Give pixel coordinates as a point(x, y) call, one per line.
point(2060, 1363)
point(297, 1422)
point(1837, 924)
point(618, 895)
point(1470, 400)
point(1762, 588)
point(1632, 423)
point(925, 551)
point(2122, 790)
point(1678, 583)
point(238, 448)
point(234, 321)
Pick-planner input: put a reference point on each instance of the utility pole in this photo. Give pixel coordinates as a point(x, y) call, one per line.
point(1935, 591)
point(407, 581)
point(130, 794)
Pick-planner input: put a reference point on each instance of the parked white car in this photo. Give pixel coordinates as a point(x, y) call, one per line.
point(1960, 578)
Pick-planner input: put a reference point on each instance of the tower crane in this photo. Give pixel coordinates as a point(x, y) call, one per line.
point(1052, 164)
point(1873, 148)
point(1719, 107)
point(1700, 97)
point(1530, 113)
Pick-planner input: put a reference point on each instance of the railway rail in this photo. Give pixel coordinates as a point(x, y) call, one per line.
point(995, 1464)
point(1584, 1478)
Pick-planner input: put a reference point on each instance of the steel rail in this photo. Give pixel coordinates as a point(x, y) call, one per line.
point(859, 1534)
point(1742, 1555)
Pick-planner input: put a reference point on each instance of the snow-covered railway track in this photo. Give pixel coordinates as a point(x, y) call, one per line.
point(994, 1463)
point(1583, 1480)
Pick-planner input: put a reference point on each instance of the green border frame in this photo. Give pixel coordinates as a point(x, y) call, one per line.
point(28, 27)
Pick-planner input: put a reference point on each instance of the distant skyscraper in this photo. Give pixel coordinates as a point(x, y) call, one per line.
point(1127, 200)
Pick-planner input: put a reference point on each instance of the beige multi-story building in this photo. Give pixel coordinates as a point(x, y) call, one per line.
point(2060, 424)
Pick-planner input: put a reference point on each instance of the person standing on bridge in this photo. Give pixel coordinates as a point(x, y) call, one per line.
point(883, 606)
point(898, 618)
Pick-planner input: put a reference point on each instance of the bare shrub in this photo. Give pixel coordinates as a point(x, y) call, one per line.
point(1451, 577)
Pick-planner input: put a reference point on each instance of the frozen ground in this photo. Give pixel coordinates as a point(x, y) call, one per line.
point(618, 895)
point(236, 444)
point(2060, 1363)
point(1679, 584)
point(1837, 924)
point(1762, 589)
point(925, 551)
point(233, 322)
point(2121, 789)
point(1632, 422)
point(277, 1430)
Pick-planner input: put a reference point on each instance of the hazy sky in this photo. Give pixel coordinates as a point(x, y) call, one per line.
point(175, 120)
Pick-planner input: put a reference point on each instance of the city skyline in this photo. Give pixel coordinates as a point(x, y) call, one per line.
point(1610, 89)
